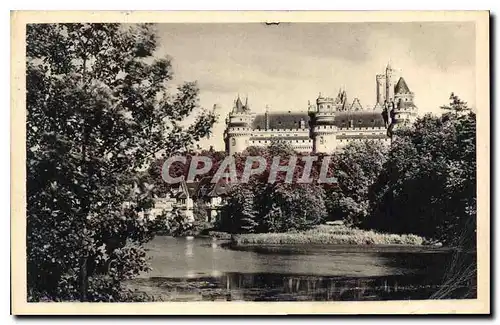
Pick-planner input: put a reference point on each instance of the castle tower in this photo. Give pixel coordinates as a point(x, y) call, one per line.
point(322, 127)
point(324, 104)
point(238, 127)
point(389, 83)
point(381, 88)
point(403, 111)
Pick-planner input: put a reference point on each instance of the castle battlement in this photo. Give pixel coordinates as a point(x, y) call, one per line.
point(281, 130)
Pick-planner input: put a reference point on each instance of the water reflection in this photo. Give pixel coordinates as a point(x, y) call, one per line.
point(189, 248)
point(203, 269)
point(279, 287)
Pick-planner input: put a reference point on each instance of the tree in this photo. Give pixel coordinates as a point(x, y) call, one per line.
point(356, 168)
point(428, 184)
point(291, 207)
point(98, 112)
point(260, 206)
point(239, 214)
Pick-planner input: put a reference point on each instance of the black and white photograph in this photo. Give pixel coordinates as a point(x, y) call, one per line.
point(271, 160)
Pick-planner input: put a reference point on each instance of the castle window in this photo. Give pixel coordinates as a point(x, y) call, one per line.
point(328, 106)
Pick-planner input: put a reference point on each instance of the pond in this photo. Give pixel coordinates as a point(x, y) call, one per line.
point(206, 269)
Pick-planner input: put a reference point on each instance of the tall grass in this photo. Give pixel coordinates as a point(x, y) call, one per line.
point(324, 234)
point(460, 279)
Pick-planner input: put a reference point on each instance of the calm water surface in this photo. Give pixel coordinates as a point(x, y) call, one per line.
point(206, 269)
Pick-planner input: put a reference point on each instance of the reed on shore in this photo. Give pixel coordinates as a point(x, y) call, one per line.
point(330, 235)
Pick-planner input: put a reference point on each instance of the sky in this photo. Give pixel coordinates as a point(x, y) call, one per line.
point(283, 66)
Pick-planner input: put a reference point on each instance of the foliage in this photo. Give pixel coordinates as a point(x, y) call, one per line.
point(239, 212)
point(356, 168)
point(428, 184)
point(200, 212)
point(98, 111)
point(176, 224)
point(291, 207)
point(260, 206)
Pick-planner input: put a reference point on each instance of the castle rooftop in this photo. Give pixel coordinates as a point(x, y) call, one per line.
point(402, 87)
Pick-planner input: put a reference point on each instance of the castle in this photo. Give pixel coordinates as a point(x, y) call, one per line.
point(327, 126)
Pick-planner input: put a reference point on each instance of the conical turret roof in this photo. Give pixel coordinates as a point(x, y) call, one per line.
point(356, 105)
point(239, 104)
point(401, 87)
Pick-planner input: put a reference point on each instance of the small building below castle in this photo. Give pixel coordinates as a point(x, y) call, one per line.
point(203, 193)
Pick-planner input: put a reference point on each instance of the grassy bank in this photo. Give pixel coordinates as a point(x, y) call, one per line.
point(329, 235)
